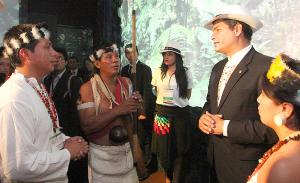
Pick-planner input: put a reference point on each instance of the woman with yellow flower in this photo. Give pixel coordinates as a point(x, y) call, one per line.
point(279, 108)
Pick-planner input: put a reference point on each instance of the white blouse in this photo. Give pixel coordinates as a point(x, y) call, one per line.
point(168, 90)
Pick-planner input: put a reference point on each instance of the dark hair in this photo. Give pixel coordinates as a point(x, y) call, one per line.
point(231, 23)
point(15, 32)
point(62, 51)
point(130, 46)
point(285, 88)
point(180, 75)
point(1, 51)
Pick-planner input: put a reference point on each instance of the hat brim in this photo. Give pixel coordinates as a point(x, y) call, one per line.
point(163, 51)
point(254, 23)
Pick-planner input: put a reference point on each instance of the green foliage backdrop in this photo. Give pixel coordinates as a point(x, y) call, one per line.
point(183, 20)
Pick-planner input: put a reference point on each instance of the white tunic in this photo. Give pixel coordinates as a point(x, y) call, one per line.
point(168, 90)
point(28, 153)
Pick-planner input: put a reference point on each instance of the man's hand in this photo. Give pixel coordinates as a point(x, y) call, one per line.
point(77, 147)
point(218, 123)
point(211, 124)
point(132, 104)
point(206, 123)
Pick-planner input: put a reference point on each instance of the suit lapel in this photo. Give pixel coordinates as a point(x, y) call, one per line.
point(60, 83)
point(238, 72)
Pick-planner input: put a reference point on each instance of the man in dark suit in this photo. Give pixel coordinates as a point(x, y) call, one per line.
point(230, 116)
point(64, 90)
point(73, 66)
point(143, 85)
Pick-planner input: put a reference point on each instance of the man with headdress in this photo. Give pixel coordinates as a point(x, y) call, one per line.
point(105, 105)
point(230, 116)
point(32, 147)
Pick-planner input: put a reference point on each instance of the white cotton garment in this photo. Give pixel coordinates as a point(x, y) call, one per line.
point(28, 153)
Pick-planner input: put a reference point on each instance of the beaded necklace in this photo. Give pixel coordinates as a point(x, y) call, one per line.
point(44, 96)
point(272, 150)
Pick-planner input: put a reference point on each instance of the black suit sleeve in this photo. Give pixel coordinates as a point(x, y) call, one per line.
point(250, 132)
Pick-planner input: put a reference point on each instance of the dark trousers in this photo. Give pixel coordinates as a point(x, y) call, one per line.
point(78, 171)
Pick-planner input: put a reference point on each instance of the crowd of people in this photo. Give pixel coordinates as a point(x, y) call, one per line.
point(104, 123)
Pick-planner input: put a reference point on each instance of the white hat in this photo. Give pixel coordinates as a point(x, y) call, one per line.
point(172, 46)
point(236, 12)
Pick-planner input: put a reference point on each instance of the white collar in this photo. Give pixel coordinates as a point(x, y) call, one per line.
point(32, 80)
point(135, 62)
point(74, 70)
point(236, 58)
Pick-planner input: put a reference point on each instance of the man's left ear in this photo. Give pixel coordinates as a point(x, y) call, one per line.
point(238, 29)
point(23, 54)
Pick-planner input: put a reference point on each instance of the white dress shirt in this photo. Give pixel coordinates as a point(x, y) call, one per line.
point(29, 151)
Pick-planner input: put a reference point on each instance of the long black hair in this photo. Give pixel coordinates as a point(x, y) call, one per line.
point(180, 75)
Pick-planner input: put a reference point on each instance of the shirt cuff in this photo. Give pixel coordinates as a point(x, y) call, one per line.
point(225, 127)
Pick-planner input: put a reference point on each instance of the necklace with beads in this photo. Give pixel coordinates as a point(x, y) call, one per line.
point(44, 96)
point(276, 147)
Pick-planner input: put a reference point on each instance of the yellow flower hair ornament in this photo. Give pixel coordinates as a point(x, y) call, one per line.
point(279, 68)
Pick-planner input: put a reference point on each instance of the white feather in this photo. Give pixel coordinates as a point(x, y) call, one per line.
point(99, 53)
point(46, 32)
point(15, 43)
point(92, 58)
point(24, 37)
point(35, 33)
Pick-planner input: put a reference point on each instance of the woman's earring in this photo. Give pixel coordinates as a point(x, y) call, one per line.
point(279, 119)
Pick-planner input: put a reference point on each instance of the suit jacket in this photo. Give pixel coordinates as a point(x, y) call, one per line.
point(66, 103)
point(234, 157)
point(143, 85)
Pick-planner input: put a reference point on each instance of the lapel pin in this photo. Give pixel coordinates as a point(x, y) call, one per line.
point(240, 71)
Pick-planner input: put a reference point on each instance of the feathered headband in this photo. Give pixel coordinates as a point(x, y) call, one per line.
point(37, 32)
point(97, 54)
point(279, 68)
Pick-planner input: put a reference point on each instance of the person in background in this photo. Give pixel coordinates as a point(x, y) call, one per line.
point(143, 85)
point(90, 69)
point(279, 109)
point(173, 84)
point(237, 138)
point(64, 90)
point(33, 149)
point(4, 66)
point(73, 65)
point(104, 108)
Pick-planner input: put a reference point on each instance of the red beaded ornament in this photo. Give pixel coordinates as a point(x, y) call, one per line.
point(44, 96)
point(267, 154)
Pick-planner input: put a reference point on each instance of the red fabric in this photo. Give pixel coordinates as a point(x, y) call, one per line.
point(119, 99)
point(118, 94)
